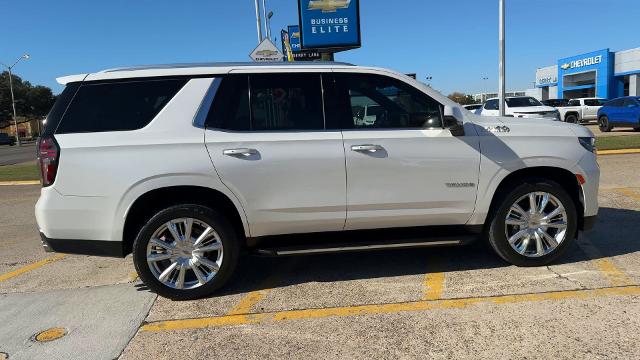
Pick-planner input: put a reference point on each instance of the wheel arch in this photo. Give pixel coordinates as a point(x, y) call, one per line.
point(563, 177)
point(148, 203)
point(577, 115)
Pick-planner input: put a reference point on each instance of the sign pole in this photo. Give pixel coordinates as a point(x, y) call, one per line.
point(258, 22)
point(501, 66)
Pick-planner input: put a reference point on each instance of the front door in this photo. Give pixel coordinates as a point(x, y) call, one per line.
point(403, 167)
point(270, 148)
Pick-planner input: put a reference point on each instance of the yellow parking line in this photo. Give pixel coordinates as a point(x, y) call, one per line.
point(20, 182)
point(433, 281)
point(627, 192)
point(610, 271)
point(618, 152)
point(384, 308)
point(433, 286)
point(246, 304)
point(30, 267)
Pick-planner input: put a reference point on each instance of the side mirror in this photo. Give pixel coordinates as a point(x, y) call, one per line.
point(453, 120)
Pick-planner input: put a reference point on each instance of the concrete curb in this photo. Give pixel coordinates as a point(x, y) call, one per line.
point(618, 152)
point(20, 182)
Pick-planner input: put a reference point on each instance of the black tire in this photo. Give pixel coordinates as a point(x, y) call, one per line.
point(496, 231)
point(603, 124)
point(571, 118)
point(224, 229)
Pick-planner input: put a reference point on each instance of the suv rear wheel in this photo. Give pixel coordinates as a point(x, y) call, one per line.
point(533, 224)
point(603, 124)
point(186, 252)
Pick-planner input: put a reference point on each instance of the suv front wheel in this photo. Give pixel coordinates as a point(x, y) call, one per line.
point(534, 223)
point(186, 252)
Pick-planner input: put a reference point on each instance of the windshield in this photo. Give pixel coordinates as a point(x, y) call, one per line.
point(522, 102)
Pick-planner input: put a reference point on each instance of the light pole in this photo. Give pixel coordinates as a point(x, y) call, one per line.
point(269, 16)
point(258, 22)
point(13, 100)
point(501, 82)
point(485, 89)
point(429, 78)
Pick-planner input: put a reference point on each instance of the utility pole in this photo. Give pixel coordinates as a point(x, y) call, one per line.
point(258, 22)
point(501, 82)
point(13, 100)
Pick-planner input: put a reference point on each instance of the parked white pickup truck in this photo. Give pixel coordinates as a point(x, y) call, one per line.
point(581, 110)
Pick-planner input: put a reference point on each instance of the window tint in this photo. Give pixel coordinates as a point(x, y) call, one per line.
point(276, 102)
point(382, 102)
point(117, 106)
point(594, 102)
point(230, 108)
point(491, 105)
point(59, 107)
point(574, 102)
point(286, 102)
point(522, 102)
point(615, 102)
point(630, 102)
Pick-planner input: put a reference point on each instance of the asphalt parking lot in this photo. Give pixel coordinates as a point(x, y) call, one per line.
point(10, 155)
point(436, 303)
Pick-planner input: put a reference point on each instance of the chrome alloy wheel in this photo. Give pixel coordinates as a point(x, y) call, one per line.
point(536, 224)
point(184, 253)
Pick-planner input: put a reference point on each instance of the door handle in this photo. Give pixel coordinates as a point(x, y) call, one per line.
point(239, 151)
point(366, 147)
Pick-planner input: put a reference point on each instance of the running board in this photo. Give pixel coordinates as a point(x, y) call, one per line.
point(364, 246)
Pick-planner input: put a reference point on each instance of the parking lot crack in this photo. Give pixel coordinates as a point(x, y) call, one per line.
point(560, 276)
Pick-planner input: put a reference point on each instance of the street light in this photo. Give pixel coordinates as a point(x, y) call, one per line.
point(13, 101)
point(269, 16)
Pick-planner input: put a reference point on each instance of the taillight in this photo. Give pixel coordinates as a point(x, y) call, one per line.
point(48, 154)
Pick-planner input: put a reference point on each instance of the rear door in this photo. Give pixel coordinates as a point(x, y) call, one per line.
point(267, 140)
point(403, 167)
point(629, 111)
point(591, 107)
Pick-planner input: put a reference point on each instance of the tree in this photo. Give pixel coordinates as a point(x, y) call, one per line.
point(461, 98)
point(31, 101)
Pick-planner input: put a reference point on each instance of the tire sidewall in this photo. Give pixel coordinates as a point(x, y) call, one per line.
point(572, 119)
point(219, 223)
point(603, 124)
point(498, 238)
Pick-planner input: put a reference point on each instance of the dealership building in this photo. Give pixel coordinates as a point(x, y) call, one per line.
point(601, 73)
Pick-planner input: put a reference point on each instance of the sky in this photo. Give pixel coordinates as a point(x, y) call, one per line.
point(453, 41)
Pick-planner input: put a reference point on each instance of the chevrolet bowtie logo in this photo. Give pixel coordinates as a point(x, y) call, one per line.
point(266, 53)
point(565, 66)
point(328, 5)
point(295, 35)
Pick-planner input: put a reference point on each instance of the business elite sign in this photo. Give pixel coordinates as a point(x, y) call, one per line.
point(329, 24)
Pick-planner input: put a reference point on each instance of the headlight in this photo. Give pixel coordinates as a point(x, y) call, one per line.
point(588, 143)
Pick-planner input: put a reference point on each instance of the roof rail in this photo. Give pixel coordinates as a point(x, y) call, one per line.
point(226, 64)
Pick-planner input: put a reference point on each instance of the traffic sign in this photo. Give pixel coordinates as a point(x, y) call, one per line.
point(266, 51)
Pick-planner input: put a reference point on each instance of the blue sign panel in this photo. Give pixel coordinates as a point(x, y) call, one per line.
point(591, 70)
point(294, 38)
point(329, 24)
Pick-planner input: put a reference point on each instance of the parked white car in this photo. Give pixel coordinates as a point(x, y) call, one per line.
point(581, 110)
point(189, 167)
point(520, 107)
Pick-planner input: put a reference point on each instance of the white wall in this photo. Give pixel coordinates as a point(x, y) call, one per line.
point(626, 61)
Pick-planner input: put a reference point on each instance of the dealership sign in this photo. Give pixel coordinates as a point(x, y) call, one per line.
point(593, 60)
point(329, 24)
point(291, 46)
point(266, 51)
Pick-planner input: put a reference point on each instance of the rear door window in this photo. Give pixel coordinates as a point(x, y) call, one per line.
point(117, 106)
point(268, 102)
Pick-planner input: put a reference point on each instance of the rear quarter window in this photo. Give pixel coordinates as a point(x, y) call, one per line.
point(117, 106)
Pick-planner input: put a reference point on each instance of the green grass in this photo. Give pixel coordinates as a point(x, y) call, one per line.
point(26, 171)
point(618, 142)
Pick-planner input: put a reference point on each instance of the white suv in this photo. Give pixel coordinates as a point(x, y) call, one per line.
point(190, 166)
point(520, 107)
